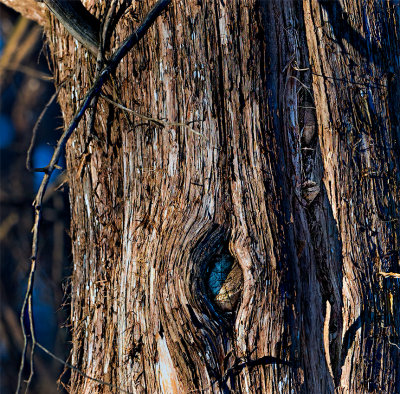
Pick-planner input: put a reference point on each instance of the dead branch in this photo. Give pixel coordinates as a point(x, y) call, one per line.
point(78, 21)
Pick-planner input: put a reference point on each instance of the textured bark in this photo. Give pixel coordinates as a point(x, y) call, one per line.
point(295, 174)
point(354, 56)
point(31, 9)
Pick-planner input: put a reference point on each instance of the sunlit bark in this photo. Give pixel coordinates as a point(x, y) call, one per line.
point(278, 164)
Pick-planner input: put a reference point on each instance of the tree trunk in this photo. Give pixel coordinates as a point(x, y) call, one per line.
point(275, 169)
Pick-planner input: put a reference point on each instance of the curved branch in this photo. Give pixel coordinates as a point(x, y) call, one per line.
point(75, 18)
point(78, 21)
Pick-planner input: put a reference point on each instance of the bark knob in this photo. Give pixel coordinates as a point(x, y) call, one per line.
point(310, 191)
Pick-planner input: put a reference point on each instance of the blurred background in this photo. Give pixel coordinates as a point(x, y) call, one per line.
point(26, 87)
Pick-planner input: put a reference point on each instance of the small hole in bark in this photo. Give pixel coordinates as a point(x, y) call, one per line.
point(224, 280)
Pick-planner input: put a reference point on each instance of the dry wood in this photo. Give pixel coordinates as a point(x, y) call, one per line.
point(296, 177)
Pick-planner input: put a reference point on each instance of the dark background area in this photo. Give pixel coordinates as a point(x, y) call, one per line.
point(25, 89)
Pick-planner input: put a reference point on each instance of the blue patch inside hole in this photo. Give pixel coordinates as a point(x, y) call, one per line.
point(219, 269)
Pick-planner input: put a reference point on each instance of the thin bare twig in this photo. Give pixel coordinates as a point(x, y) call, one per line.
point(390, 274)
point(157, 122)
point(31, 72)
point(366, 84)
point(35, 129)
point(32, 330)
point(70, 366)
point(104, 75)
point(241, 364)
point(302, 84)
point(115, 94)
point(394, 344)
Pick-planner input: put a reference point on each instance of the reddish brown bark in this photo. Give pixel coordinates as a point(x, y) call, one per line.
point(295, 173)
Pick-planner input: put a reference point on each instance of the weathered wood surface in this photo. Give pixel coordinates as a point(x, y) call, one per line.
point(356, 46)
point(296, 174)
point(160, 202)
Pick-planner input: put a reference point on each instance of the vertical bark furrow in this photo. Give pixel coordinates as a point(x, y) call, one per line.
point(356, 137)
point(305, 200)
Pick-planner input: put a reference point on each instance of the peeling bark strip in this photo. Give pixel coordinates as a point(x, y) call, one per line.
point(353, 55)
point(296, 182)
